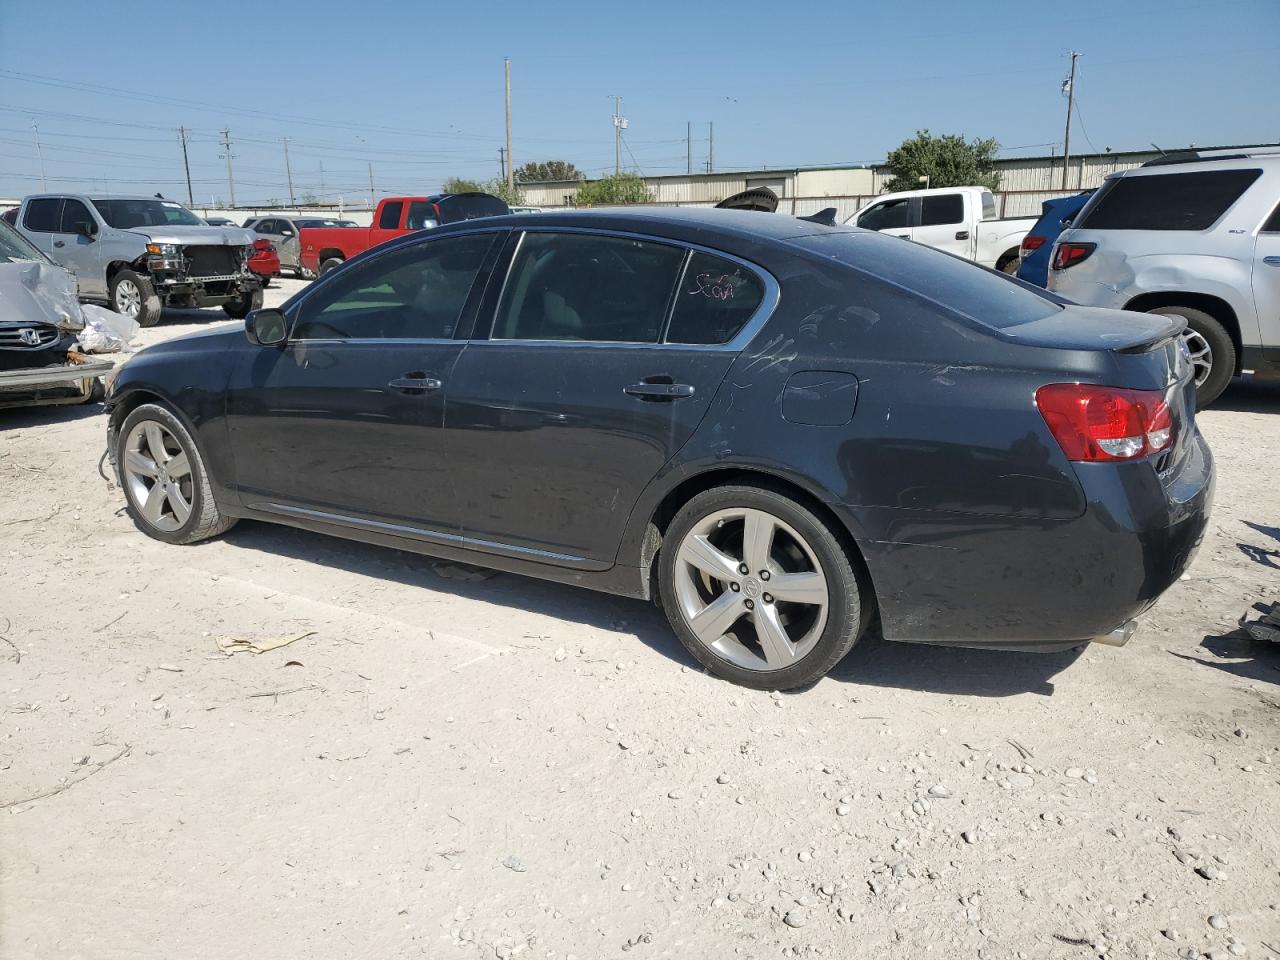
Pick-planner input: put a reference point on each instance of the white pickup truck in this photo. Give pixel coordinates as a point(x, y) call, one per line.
point(959, 220)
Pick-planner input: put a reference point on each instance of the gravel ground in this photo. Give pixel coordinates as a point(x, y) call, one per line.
point(507, 768)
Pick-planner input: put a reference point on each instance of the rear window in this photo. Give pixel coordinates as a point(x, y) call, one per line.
point(981, 295)
point(1167, 201)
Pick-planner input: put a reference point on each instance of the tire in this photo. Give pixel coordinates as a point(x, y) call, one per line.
point(240, 308)
point(164, 519)
point(305, 273)
point(1214, 370)
point(1009, 264)
point(134, 295)
point(331, 264)
point(808, 637)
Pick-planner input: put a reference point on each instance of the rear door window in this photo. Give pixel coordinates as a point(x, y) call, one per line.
point(890, 215)
point(941, 209)
point(715, 299)
point(389, 218)
point(43, 215)
point(572, 286)
point(1167, 201)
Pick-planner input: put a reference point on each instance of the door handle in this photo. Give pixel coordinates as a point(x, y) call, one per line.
point(1271, 261)
point(415, 385)
point(659, 391)
point(903, 236)
point(59, 243)
point(962, 234)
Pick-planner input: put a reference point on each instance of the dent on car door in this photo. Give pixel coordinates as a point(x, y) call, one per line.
point(603, 357)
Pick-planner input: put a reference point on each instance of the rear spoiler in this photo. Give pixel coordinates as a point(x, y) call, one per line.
point(766, 201)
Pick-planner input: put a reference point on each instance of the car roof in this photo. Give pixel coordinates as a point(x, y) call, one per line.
point(1201, 162)
point(744, 223)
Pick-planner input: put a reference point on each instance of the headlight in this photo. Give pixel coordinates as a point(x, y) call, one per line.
point(163, 249)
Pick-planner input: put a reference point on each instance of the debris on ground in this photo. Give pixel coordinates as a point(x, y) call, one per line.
point(1266, 628)
point(230, 645)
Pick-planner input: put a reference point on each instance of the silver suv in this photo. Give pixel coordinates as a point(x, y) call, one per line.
point(1195, 235)
point(141, 254)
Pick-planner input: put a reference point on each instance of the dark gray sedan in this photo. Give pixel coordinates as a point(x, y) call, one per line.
point(773, 427)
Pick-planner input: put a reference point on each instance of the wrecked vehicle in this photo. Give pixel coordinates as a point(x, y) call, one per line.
point(141, 254)
point(40, 359)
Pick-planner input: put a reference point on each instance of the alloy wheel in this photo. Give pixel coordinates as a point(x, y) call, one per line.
point(128, 298)
point(157, 475)
point(751, 588)
point(1201, 355)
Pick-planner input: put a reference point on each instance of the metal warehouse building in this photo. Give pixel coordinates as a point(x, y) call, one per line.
point(1025, 183)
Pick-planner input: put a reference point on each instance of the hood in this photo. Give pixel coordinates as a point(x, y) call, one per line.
point(39, 292)
point(202, 236)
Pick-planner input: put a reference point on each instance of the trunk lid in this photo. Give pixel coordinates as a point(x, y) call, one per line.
point(1093, 328)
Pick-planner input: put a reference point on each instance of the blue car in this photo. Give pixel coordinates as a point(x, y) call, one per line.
point(1038, 244)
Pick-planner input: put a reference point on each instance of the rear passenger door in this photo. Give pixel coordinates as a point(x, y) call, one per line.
point(943, 224)
point(41, 220)
point(602, 357)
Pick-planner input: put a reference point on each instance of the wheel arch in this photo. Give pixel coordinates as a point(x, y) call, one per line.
point(1216, 307)
point(1006, 258)
point(329, 253)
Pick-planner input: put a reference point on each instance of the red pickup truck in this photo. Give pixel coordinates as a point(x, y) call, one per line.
point(324, 248)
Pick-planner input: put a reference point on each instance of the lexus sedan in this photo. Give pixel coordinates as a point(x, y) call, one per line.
point(772, 427)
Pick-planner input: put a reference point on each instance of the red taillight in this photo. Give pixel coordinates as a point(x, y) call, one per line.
point(1069, 254)
point(262, 244)
point(1093, 423)
point(1031, 242)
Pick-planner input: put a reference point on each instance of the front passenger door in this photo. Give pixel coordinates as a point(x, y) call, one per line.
point(78, 253)
point(343, 421)
point(889, 216)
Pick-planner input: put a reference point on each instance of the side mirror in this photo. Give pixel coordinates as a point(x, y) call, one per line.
point(265, 327)
point(87, 229)
point(286, 233)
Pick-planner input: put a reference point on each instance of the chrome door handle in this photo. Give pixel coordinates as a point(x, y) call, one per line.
point(659, 391)
point(1271, 261)
point(413, 385)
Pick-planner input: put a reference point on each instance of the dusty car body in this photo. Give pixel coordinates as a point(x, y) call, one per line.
point(39, 315)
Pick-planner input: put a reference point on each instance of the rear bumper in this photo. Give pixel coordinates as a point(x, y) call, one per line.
point(1023, 584)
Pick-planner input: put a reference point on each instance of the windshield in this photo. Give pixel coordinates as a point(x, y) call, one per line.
point(15, 248)
point(127, 214)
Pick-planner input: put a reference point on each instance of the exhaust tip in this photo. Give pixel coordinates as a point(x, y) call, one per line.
point(1120, 635)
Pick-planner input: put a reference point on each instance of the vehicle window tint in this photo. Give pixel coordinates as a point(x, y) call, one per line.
point(982, 295)
point(587, 287)
point(43, 215)
point(1170, 201)
point(415, 292)
point(265, 226)
point(73, 212)
point(470, 206)
point(988, 206)
point(420, 215)
point(389, 218)
point(890, 215)
point(1273, 222)
point(941, 209)
point(715, 298)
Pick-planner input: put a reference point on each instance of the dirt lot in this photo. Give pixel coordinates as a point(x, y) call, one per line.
point(509, 768)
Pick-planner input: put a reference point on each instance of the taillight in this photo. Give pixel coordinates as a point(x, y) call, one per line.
point(1093, 423)
point(1031, 242)
point(262, 244)
point(1069, 254)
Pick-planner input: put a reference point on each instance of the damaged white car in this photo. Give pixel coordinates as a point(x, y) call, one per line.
point(41, 321)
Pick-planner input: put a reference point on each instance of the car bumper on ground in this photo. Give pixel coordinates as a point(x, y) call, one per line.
point(72, 382)
point(1044, 585)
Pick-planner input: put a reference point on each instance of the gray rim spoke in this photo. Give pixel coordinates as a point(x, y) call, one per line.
point(810, 587)
point(178, 466)
point(757, 539)
point(777, 646)
point(135, 462)
point(155, 443)
point(715, 618)
point(155, 478)
point(181, 509)
point(153, 508)
point(698, 551)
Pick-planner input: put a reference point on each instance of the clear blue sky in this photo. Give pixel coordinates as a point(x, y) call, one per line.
point(402, 85)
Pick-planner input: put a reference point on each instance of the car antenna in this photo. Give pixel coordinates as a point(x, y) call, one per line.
point(826, 217)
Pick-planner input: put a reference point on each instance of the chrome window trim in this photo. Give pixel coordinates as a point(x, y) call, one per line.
point(768, 303)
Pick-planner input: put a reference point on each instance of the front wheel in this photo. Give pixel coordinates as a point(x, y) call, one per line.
point(758, 588)
point(166, 483)
point(135, 296)
point(239, 308)
point(1212, 352)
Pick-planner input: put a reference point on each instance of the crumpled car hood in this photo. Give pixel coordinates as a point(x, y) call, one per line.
point(204, 236)
point(39, 293)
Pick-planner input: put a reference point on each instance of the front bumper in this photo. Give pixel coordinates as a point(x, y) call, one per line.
point(72, 382)
point(1026, 584)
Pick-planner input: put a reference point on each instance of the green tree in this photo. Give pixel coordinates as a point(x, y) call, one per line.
point(542, 170)
point(459, 185)
point(513, 195)
point(621, 188)
point(948, 161)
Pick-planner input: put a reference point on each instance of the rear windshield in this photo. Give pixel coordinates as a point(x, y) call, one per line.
point(127, 214)
point(1167, 201)
point(981, 295)
point(462, 207)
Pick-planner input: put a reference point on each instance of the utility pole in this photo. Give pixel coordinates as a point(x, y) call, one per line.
point(288, 171)
point(371, 191)
point(186, 165)
point(506, 63)
point(231, 180)
point(711, 147)
point(619, 124)
point(40, 153)
point(1070, 85)
point(502, 163)
point(688, 144)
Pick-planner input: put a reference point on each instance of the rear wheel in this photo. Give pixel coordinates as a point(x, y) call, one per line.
point(239, 308)
point(305, 273)
point(331, 264)
point(165, 481)
point(134, 295)
point(1213, 354)
point(758, 589)
point(1008, 263)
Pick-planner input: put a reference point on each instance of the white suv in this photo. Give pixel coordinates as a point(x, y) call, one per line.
point(1195, 235)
